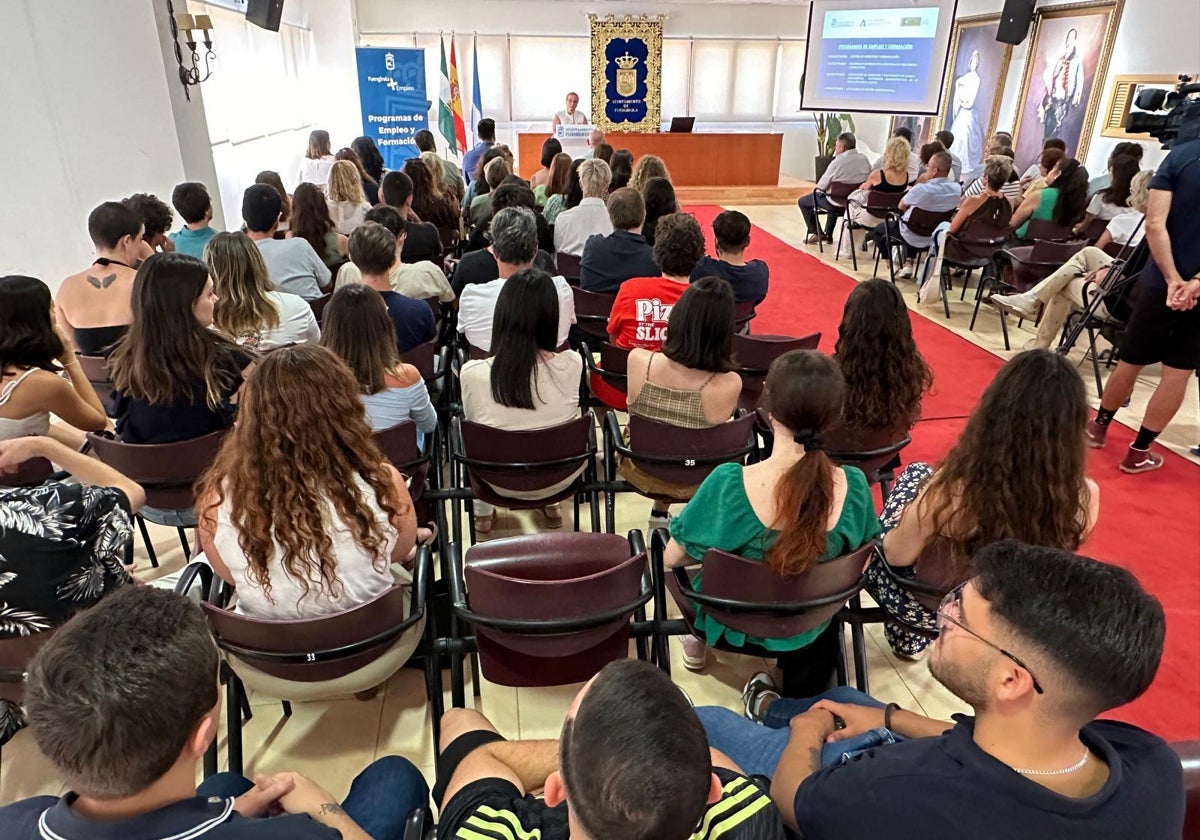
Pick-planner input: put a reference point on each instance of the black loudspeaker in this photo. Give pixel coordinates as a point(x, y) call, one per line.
point(266, 13)
point(1014, 21)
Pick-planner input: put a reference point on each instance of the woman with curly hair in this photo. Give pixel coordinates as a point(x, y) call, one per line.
point(885, 374)
point(156, 216)
point(300, 511)
point(430, 205)
point(310, 220)
point(1017, 472)
point(346, 200)
point(647, 167)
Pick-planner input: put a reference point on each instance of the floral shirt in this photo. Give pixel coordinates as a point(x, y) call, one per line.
point(62, 548)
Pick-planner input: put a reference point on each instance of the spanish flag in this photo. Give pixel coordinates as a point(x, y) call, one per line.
point(460, 130)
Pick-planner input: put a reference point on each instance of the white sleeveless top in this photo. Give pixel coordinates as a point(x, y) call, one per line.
point(362, 577)
point(34, 424)
point(578, 118)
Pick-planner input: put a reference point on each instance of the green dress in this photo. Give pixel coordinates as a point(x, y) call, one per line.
point(720, 516)
point(1047, 199)
point(539, 195)
point(555, 204)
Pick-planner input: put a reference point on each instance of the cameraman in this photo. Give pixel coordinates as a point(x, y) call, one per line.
point(1165, 324)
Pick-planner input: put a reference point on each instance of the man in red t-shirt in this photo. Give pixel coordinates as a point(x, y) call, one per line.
point(643, 305)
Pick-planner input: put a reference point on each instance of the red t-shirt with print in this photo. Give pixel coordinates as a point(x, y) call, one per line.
point(640, 312)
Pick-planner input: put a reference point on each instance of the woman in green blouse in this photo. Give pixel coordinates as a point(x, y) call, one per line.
point(1063, 200)
point(790, 511)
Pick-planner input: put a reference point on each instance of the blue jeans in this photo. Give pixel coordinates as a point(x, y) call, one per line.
point(380, 799)
point(756, 749)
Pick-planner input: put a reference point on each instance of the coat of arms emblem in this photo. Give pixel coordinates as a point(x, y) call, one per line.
point(626, 74)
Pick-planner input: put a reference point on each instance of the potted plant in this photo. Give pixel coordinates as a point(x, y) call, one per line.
point(829, 126)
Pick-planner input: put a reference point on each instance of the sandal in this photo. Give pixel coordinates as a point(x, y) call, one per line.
point(553, 514)
point(484, 524)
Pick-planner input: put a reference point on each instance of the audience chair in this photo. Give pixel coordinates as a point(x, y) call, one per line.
point(31, 473)
point(670, 453)
point(1019, 269)
point(743, 313)
point(451, 241)
point(1045, 230)
point(748, 596)
point(1189, 757)
point(318, 306)
point(432, 362)
point(969, 249)
point(838, 195)
point(95, 368)
point(568, 267)
point(547, 609)
point(608, 379)
point(167, 472)
point(354, 651)
point(877, 455)
point(753, 355)
point(591, 315)
point(1094, 230)
point(525, 461)
point(920, 222)
point(879, 205)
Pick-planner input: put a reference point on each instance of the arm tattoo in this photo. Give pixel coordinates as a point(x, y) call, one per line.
point(814, 758)
point(330, 808)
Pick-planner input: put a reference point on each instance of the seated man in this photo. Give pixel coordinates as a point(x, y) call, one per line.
point(292, 264)
point(573, 227)
point(452, 178)
point(749, 279)
point(421, 239)
point(594, 141)
point(608, 261)
point(514, 245)
point(643, 306)
point(1039, 643)
point(373, 251)
point(631, 763)
point(849, 166)
point(194, 205)
point(124, 700)
point(937, 194)
point(420, 280)
point(946, 138)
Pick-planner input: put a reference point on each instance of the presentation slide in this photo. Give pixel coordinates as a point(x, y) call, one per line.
point(875, 57)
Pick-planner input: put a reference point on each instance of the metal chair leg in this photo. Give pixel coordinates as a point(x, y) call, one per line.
point(183, 540)
point(146, 539)
point(287, 708)
point(233, 708)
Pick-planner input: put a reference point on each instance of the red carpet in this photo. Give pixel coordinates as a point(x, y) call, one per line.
point(1149, 524)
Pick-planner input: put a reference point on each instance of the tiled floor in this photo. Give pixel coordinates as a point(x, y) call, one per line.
point(332, 740)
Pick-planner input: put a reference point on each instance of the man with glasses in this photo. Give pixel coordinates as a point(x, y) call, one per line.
point(1038, 643)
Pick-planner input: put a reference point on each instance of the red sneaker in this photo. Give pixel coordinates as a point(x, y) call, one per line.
point(1140, 461)
point(1094, 434)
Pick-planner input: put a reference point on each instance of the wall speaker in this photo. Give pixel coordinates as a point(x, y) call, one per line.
point(1014, 21)
point(266, 13)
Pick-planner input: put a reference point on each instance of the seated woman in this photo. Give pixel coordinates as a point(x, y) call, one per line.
point(173, 377)
point(1016, 472)
point(660, 200)
point(1062, 201)
point(646, 168)
point(438, 181)
point(493, 176)
point(359, 330)
point(300, 511)
point(571, 195)
point(525, 384)
point(1012, 189)
point(249, 309)
point(1034, 179)
point(272, 180)
point(890, 177)
point(347, 202)
point(1113, 200)
point(621, 167)
point(885, 375)
point(310, 220)
point(691, 383)
point(551, 148)
point(512, 193)
point(1062, 291)
point(791, 511)
point(731, 232)
point(370, 185)
point(65, 546)
point(34, 352)
point(429, 203)
point(556, 181)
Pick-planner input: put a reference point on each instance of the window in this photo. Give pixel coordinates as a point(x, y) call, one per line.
point(544, 70)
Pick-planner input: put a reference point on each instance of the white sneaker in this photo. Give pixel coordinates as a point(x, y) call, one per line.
point(905, 273)
point(1023, 305)
point(695, 653)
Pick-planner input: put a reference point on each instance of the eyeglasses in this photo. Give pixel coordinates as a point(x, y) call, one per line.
point(951, 610)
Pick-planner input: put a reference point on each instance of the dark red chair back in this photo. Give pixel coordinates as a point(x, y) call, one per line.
point(686, 456)
point(167, 471)
point(922, 222)
point(423, 358)
point(541, 577)
point(743, 313)
point(95, 368)
point(609, 380)
point(839, 191)
point(879, 202)
point(1048, 230)
point(29, 473)
point(399, 445)
point(753, 355)
point(524, 461)
point(1189, 757)
point(937, 569)
point(591, 313)
point(869, 450)
point(567, 265)
point(1094, 229)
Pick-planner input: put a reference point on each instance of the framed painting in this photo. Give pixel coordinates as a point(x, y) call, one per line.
point(974, 83)
point(1064, 71)
point(921, 127)
point(1120, 102)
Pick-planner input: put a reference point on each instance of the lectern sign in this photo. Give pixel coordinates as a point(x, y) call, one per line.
point(626, 72)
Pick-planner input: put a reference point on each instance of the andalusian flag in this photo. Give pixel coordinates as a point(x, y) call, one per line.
point(460, 130)
point(445, 111)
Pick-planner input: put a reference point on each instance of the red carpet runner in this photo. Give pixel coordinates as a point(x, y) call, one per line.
point(1149, 524)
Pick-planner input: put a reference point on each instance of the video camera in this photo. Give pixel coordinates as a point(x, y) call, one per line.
point(1181, 120)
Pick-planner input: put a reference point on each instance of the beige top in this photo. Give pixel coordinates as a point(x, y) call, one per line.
point(555, 395)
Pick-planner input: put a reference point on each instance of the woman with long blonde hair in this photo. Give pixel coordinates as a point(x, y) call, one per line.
point(300, 511)
point(249, 309)
point(345, 196)
point(647, 167)
point(890, 177)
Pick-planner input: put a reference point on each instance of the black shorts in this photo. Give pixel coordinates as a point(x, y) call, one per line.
point(455, 752)
point(1157, 333)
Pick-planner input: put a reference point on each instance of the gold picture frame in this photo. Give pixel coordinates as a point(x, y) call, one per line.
point(1120, 102)
point(978, 34)
point(649, 28)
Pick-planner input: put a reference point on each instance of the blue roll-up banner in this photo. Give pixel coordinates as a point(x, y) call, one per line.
point(391, 90)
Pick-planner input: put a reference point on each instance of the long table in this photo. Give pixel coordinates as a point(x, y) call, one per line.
point(695, 160)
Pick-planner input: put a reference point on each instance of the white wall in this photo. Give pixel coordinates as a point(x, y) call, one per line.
point(87, 96)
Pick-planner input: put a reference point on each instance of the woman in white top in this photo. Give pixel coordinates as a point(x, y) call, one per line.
point(1112, 202)
point(569, 115)
point(318, 160)
point(249, 309)
point(525, 385)
point(300, 511)
point(360, 331)
point(346, 199)
point(34, 352)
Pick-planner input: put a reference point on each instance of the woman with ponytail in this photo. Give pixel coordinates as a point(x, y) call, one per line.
point(791, 511)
